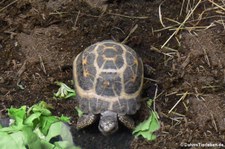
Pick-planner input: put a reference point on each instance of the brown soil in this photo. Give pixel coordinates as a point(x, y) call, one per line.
point(40, 38)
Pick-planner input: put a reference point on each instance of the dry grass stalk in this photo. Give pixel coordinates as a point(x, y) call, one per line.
point(183, 97)
point(183, 23)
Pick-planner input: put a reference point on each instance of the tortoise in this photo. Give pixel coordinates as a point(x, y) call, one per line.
point(108, 80)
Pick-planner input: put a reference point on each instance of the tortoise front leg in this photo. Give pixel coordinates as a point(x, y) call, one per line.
point(86, 120)
point(127, 121)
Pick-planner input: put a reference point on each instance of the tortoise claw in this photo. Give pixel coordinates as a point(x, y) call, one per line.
point(127, 121)
point(86, 120)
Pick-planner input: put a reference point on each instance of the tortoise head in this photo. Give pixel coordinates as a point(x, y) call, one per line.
point(108, 123)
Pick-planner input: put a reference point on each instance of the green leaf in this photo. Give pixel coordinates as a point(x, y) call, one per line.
point(147, 135)
point(18, 115)
point(47, 145)
point(79, 112)
point(147, 127)
point(64, 118)
point(154, 123)
point(30, 120)
point(42, 107)
point(61, 144)
point(19, 138)
point(45, 105)
point(10, 129)
point(46, 122)
point(31, 139)
point(54, 130)
point(38, 132)
point(62, 130)
point(70, 95)
point(65, 145)
point(34, 128)
point(6, 141)
point(64, 91)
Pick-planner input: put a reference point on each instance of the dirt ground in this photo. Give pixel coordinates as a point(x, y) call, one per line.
point(39, 40)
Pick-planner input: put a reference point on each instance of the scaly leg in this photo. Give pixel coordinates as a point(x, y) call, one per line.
point(127, 121)
point(86, 120)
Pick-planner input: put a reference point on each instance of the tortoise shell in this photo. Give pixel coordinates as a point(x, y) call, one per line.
point(108, 76)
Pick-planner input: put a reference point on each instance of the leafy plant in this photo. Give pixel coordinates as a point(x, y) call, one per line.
point(64, 91)
point(35, 128)
point(147, 128)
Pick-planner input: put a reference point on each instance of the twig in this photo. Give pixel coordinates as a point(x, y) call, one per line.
point(170, 27)
point(214, 122)
point(20, 85)
point(182, 7)
point(74, 12)
point(42, 65)
point(159, 51)
point(160, 15)
point(178, 114)
point(174, 21)
point(185, 20)
point(75, 23)
point(186, 61)
point(217, 5)
point(155, 96)
point(8, 5)
point(152, 80)
point(126, 16)
point(206, 57)
point(131, 32)
point(22, 69)
point(57, 13)
point(184, 95)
